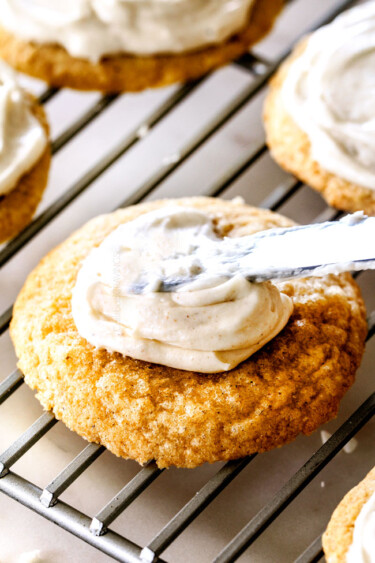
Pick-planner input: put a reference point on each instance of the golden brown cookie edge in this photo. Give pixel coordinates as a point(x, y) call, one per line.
point(133, 73)
point(338, 536)
point(291, 148)
point(19, 205)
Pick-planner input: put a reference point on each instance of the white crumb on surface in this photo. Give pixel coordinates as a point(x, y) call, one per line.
point(260, 68)
point(351, 446)
point(238, 200)
point(325, 436)
point(322, 484)
point(171, 158)
point(142, 131)
point(348, 448)
point(30, 557)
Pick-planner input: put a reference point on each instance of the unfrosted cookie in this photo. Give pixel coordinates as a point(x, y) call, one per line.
point(19, 205)
point(291, 148)
point(338, 537)
point(133, 73)
point(146, 411)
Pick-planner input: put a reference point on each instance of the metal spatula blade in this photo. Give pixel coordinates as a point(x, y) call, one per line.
point(308, 250)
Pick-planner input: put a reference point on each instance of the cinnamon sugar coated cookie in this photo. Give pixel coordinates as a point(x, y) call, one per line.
point(19, 205)
point(320, 110)
point(146, 411)
point(338, 537)
point(131, 73)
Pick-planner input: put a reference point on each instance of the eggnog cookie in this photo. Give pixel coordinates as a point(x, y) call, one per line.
point(319, 111)
point(142, 410)
point(350, 537)
point(24, 157)
point(134, 57)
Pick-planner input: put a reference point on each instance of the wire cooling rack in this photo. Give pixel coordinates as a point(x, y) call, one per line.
point(47, 501)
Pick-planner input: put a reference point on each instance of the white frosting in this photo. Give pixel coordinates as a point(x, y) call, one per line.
point(362, 549)
point(329, 91)
point(22, 137)
point(209, 327)
point(91, 29)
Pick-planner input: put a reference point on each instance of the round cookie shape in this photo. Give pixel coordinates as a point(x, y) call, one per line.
point(145, 411)
point(128, 73)
point(19, 205)
point(338, 536)
point(291, 148)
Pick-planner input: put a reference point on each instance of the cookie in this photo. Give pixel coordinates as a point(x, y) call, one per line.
point(133, 73)
point(19, 205)
point(291, 148)
point(338, 536)
point(145, 411)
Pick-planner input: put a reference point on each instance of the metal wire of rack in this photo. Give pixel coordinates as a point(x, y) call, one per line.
point(47, 501)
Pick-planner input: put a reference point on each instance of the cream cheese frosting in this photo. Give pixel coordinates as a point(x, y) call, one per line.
point(91, 29)
point(22, 138)
point(362, 549)
point(329, 92)
point(207, 327)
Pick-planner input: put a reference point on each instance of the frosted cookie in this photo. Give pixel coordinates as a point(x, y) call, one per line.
point(350, 535)
point(24, 155)
point(74, 328)
point(319, 114)
point(129, 45)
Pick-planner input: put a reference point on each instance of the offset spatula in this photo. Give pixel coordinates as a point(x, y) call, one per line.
point(308, 250)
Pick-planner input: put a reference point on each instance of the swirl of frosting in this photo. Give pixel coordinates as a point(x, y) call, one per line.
point(91, 29)
point(22, 137)
point(329, 93)
point(207, 327)
point(362, 549)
